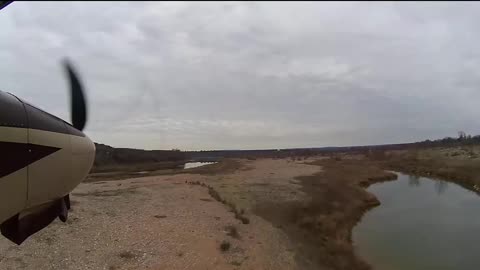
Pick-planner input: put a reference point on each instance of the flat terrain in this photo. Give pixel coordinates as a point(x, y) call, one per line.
point(162, 222)
point(289, 213)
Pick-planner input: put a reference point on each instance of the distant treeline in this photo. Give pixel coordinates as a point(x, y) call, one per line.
point(462, 139)
point(282, 153)
point(107, 155)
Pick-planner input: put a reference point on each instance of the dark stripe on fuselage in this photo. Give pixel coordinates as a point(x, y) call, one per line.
point(12, 113)
point(38, 119)
point(15, 112)
point(73, 131)
point(15, 156)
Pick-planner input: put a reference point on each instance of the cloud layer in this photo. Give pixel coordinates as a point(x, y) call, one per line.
point(251, 75)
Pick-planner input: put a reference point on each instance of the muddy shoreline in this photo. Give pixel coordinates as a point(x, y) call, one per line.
point(321, 226)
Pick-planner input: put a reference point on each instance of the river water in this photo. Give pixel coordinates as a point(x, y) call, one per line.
point(190, 165)
point(421, 224)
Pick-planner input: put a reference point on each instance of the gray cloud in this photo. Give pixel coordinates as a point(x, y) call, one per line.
point(250, 75)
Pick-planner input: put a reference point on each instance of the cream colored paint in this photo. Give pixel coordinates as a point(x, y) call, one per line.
point(49, 178)
point(58, 174)
point(12, 134)
point(13, 194)
point(83, 156)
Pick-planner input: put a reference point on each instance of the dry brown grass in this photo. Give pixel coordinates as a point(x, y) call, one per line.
point(232, 231)
point(138, 167)
point(236, 263)
point(321, 227)
point(127, 255)
point(225, 246)
point(451, 164)
point(239, 213)
point(109, 193)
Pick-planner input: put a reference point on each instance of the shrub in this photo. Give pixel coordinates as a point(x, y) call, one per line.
point(225, 246)
point(232, 231)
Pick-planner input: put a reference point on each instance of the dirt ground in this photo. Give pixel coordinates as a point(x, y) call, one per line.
point(164, 222)
point(290, 213)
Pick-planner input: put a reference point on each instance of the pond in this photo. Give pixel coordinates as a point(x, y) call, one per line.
point(422, 223)
point(190, 165)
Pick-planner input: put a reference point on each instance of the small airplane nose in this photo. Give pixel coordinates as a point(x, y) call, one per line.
point(83, 156)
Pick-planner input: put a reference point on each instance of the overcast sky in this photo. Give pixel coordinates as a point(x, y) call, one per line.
point(250, 75)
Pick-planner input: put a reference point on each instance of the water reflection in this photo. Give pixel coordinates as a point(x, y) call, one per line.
point(413, 181)
point(416, 229)
point(440, 185)
point(190, 165)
